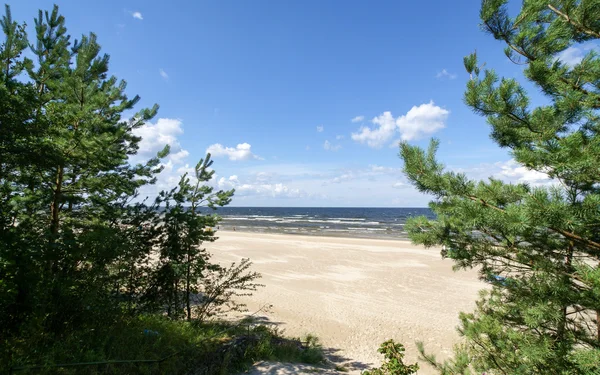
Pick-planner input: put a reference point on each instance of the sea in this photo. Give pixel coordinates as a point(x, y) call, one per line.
point(384, 223)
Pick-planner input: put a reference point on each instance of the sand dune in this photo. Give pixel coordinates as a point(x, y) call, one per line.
point(355, 293)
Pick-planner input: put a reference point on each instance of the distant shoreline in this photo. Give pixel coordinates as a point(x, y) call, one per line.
point(343, 235)
point(385, 223)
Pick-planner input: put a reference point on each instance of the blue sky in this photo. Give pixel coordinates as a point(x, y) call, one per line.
point(291, 96)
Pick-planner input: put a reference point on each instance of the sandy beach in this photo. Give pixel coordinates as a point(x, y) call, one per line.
point(355, 293)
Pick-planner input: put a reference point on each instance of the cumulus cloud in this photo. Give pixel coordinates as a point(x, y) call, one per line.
point(320, 128)
point(338, 137)
point(155, 136)
point(378, 135)
point(445, 74)
point(241, 152)
point(331, 147)
point(358, 119)
point(137, 15)
point(418, 122)
point(400, 185)
point(163, 74)
point(511, 170)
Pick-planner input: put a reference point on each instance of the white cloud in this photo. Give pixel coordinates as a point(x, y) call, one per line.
point(240, 152)
point(163, 74)
point(381, 133)
point(320, 128)
point(137, 15)
point(400, 185)
point(511, 170)
point(365, 174)
point(574, 54)
point(379, 169)
point(445, 74)
point(338, 137)
point(319, 184)
point(420, 121)
point(155, 136)
point(248, 188)
point(358, 119)
point(571, 56)
point(180, 156)
point(331, 147)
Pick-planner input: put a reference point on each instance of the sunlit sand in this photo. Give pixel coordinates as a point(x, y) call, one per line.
point(355, 293)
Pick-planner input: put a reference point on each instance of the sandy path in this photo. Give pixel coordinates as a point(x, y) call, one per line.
point(355, 293)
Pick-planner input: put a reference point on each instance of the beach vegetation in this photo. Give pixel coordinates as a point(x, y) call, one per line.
point(538, 243)
point(91, 270)
point(393, 363)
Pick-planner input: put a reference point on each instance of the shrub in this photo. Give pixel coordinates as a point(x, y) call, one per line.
point(393, 363)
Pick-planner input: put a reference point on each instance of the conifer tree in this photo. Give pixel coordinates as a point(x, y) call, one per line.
point(539, 246)
point(80, 252)
point(183, 261)
point(65, 173)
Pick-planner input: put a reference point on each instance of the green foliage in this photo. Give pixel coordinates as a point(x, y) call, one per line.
point(183, 263)
point(270, 345)
point(393, 363)
point(211, 348)
point(219, 291)
point(540, 245)
point(85, 263)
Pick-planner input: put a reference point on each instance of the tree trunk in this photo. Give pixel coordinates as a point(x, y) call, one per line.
point(73, 179)
point(55, 206)
point(598, 323)
point(187, 289)
point(176, 297)
point(562, 325)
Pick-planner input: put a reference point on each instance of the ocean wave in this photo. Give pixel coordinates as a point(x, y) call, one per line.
point(251, 218)
point(318, 221)
point(349, 218)
point(286, 220)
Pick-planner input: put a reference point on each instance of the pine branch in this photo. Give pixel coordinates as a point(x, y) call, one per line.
point(577, 26)
point(563, 232)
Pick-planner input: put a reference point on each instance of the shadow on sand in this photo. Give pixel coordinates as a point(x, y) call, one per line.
point(338, 359)
point(335, 358)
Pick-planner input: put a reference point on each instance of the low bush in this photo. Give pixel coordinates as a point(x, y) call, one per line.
point(393, 363)
point(186, 347)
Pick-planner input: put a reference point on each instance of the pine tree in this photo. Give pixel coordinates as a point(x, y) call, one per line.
point(539, 246)
point(81, 253)
point(16, 109)
point(183, 261)
point(65, 174)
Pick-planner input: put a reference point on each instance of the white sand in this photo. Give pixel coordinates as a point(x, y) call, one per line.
point(355, 293)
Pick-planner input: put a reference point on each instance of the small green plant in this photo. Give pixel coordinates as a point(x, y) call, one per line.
point(341, 368)
point(393, 363)
point(271, 345)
